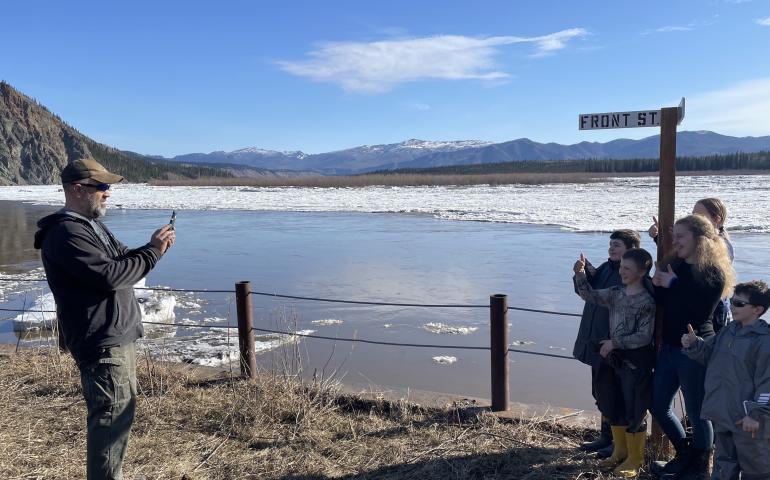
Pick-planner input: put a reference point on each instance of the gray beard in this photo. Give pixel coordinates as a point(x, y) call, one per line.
point(97, 211)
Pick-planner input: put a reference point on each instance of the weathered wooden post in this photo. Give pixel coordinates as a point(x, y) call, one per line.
point(670, 118)
point(248, 357)
point(667, 119)
point(498, 329)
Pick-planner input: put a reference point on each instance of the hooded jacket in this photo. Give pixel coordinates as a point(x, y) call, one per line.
point(738, 371)
point(595, 322)
point(93, 288)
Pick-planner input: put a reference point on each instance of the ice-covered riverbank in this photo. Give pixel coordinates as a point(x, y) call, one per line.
point(600, 206)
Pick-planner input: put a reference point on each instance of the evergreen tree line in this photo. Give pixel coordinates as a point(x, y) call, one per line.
point(139, 168)
point(733, 161)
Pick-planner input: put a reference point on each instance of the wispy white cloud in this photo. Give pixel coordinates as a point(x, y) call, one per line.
point(765, 22)
point(740, 109)
point(683, 28)
point(373, 67)
point(669, 28)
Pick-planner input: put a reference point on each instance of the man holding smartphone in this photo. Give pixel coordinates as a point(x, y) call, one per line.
point(91, 275)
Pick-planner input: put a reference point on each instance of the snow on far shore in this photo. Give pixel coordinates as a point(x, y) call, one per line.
point(573, 206)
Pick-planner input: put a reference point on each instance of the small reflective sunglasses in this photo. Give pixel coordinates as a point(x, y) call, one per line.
point(102, 187)
point(738, 303)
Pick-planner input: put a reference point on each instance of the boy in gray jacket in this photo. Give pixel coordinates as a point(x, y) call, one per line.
point(738, 385)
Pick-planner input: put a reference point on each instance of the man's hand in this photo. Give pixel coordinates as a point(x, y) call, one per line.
point(749, 425)
point(689, 338)
point(654, 228)
point(607, 347)
point(580, 265)
point(163, 238)
point(663, 278)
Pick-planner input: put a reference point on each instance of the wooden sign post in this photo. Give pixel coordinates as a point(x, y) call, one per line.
point(667, 119)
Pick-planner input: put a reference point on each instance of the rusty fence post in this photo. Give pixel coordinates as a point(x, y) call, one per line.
point(498, 328)
point(248, 357)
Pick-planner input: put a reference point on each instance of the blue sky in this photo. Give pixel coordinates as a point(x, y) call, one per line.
point(176, 77)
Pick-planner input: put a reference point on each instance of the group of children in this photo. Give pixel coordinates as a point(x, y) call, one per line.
point(721, 366)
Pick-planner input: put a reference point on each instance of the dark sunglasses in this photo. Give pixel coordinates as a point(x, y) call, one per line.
point(739, 303)
point(102, 187)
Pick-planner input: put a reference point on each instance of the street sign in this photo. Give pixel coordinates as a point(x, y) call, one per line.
point(641, 118)
point(600, 121)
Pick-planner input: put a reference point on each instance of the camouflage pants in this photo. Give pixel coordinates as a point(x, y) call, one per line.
point(109, 388)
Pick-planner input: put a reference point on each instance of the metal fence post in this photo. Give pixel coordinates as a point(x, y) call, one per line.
point(498, 317)
point(248, 357)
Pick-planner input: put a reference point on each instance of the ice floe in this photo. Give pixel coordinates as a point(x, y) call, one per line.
point(213, 347)
point(444, 360)
point(327, 321)
point(442, 328)
point(555, 204)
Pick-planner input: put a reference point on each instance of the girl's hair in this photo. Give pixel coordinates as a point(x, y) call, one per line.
point(712, 260)
point(717, 211)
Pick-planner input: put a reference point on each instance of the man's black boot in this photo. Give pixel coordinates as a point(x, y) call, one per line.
point(604, 440)
point(677, 464)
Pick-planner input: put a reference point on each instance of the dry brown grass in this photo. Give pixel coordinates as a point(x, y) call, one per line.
point(277, 427)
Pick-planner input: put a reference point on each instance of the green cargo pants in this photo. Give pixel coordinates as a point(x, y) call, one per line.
point(109, 388)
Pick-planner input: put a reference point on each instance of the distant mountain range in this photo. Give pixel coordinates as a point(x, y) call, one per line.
point(425, 154)
point(35, 144)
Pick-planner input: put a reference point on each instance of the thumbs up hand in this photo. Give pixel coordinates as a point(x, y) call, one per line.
point(689, 338)
point(663, 278)
point(580, 265)
point(654, 228)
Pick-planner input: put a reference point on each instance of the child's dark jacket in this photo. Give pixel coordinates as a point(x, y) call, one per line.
point(595, 322)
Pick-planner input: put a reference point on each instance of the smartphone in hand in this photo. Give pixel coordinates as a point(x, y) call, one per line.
point(172, 222)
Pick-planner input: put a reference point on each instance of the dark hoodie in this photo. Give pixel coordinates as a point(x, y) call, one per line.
point(595, 323)
point(93, 288)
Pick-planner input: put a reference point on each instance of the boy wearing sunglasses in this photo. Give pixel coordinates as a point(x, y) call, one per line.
point(737, 385)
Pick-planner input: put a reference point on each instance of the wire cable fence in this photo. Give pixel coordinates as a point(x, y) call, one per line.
point(328, 300)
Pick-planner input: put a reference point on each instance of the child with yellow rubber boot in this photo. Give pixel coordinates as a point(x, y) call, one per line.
point(624, 376)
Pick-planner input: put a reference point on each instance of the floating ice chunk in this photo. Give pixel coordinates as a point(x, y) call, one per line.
point(215, 347)
point(387, 325)
point(39, 316)
point(327, 321)
point(156, 306)
point(556, 348)
point(521, 343)
point(449, 329)
point(444, 360)
point(19, 283)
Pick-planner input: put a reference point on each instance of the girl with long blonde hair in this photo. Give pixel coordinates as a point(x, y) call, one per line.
point(690, 285)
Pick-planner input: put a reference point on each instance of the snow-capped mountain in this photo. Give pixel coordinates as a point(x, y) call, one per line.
point(415, 153)
point(352, 160)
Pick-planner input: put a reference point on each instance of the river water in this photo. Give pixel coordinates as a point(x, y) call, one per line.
point(414, 251)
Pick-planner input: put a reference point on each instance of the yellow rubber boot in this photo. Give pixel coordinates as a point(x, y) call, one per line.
point(630, 468)
point(619, 449)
